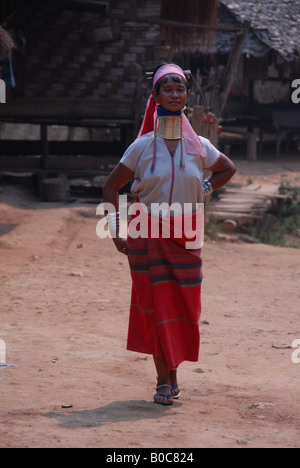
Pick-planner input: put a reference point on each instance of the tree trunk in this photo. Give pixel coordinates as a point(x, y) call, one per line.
point(232, 64)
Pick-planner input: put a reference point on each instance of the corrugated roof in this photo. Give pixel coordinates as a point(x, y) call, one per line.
point(276, 23)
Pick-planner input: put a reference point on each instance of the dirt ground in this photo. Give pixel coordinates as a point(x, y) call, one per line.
point(65, 298)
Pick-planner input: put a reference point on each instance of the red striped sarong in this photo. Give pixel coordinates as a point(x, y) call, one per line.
point(166, 299)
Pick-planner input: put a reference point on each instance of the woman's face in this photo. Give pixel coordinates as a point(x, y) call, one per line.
point(172, 96)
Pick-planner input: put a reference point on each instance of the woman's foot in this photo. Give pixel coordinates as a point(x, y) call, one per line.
point(174, 384)
point(164, 395)
point(176, 391)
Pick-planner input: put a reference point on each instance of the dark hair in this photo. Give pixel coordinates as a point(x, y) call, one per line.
point(174, 78)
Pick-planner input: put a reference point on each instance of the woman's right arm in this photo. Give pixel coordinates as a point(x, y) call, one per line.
point(117, 180)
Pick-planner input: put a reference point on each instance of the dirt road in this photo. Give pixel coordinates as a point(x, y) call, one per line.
point(65, 298)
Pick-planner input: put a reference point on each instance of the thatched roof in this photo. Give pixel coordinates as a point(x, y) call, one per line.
point(275, 23)
point(6, 44)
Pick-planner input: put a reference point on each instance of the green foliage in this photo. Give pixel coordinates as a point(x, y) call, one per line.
point(288, 219)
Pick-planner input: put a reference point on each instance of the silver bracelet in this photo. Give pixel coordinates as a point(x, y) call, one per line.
point(208, 188)
point(113, 221)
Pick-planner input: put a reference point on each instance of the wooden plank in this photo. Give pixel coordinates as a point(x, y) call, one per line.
point(241, 199)
point(242, 202)
point(240, 212)
point(75, 5)
point(71, 172)
point(258, 194)
point(27, 163)
point(268, 188)
point(245, 204)
point(24, 109)
point(83, 148)
point(239, 208)
point(246, 201)
point(235, 216)
point(176, 24)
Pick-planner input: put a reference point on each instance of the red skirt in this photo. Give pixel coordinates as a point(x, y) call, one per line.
point(166, 299)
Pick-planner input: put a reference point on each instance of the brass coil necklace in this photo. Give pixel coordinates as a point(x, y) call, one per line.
point(168, 128)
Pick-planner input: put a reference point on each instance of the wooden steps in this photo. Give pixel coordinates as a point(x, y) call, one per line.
point(245, 204)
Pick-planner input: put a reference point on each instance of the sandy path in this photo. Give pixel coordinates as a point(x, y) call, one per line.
point(67, 336)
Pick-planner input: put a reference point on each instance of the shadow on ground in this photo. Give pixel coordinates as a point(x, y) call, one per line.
point(118, 411)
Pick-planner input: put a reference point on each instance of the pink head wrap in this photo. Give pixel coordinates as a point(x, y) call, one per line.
point(192, 141)
point(166, 70)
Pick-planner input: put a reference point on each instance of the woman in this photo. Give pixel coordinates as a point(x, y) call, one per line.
point(167, 162)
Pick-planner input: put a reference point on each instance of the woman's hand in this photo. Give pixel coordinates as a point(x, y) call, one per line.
point(121, 245)
point(222, 172)
point(118, 178)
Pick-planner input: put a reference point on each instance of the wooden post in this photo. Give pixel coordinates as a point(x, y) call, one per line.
point(197, 119)
point(232, 64)
point(45, 146)
point(45, 155)
point(252, 145)
point(138, 98)
point(280, 137)
point(213, 133)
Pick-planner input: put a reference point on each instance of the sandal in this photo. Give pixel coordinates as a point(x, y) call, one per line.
point(176, 391)
point(162, 399)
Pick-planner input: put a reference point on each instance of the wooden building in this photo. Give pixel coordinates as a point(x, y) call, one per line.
point(76, 63)
point(73, 63)
point(83, 62)
point(260, 103)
